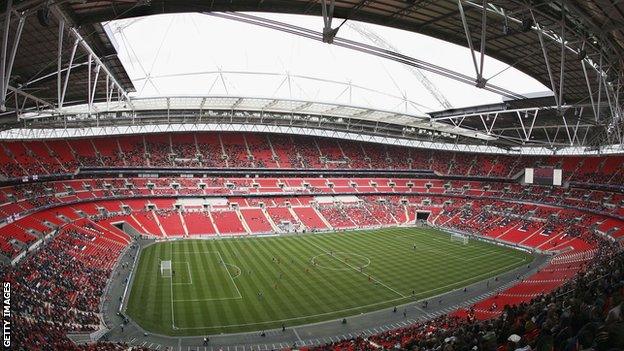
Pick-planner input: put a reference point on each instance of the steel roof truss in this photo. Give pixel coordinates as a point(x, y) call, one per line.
point(328, 15)
point(489, 129)
point(85, 46)
point(589, 90)
point(547, 61)
point(6, 68)
point(469, 37)
point(95, 81)
point(562, 60)
point(527, 131)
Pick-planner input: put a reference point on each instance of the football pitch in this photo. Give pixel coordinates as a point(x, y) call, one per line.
point(245, 284)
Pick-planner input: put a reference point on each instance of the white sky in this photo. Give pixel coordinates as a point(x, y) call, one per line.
point(186, 44)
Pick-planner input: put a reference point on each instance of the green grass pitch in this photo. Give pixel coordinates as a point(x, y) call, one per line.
point(235, 285)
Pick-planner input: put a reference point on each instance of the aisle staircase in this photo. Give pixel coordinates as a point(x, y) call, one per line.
point(186, 232)
point(243, 222)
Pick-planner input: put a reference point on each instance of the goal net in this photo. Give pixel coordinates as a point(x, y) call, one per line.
point(455, 237)
point(165, 269)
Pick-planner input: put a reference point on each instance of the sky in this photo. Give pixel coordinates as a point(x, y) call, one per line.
point(194, 54)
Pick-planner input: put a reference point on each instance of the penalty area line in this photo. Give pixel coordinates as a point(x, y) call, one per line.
point(229, 274)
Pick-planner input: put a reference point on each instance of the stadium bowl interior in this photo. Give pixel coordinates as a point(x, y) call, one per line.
point(229, 222)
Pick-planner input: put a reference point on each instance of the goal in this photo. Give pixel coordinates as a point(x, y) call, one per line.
point(165, 269)
point(459, 238)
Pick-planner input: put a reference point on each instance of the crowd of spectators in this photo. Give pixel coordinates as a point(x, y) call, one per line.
point(58, 286)
point(336, 216)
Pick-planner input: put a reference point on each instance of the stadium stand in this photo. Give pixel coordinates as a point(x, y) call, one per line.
point(232, 150)
point(73, 221)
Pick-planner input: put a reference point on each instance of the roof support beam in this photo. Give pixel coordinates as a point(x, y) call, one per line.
point(59, 65)
point(547, 61)
point(6, 68)
point(480, 83)
point(483, 36)
point(589, 90)
point(3, 53)
point(66, 82)
point(31, 97)
point(328, 15)
point(83, 44)
point(489, 129)
point(498, 110)
point(527, 130)
point(369, 49)
point(90, 65)
point(562, 60)
point(95, 81)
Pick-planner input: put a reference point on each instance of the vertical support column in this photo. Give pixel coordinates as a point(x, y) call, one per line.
point(468, 36)
point(95, 81)
point(69, 68)
point(480, 82)
point(483, 35)
point(89, 82)
point(599, 73)
point(589, 89)
point(547, 61)
point(563, 48)
point(9, 67)
point(59, 69)
point(3, 53)
point(328, 16)
point(107, 96)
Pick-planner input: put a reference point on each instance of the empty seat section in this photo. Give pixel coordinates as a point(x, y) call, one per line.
point(227, 222)
point(198, 223)
point(309, 218)
point(256, 220)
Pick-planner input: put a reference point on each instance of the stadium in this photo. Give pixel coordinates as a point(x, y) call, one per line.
point(311, 175)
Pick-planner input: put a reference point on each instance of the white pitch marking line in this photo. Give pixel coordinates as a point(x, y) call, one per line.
point(240, 271)
point(172, 298)
point(210, 299)
point(357, 270)
point(188, 266)
point(229, 274)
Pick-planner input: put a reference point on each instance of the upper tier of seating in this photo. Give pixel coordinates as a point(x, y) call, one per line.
point(15, 200)
point(247, 150)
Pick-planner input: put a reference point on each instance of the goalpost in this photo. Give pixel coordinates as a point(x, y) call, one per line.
point(459, 238)
point(165, 269)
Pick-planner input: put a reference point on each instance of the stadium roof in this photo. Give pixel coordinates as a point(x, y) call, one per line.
point(576, 50)
point(265, 111)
